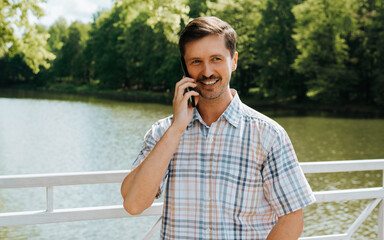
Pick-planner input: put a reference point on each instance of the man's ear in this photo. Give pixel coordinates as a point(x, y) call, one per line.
point(234, 61)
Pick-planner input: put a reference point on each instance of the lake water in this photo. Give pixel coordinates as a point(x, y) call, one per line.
point(46, 133)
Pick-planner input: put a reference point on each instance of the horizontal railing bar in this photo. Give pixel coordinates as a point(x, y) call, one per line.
point(101, 177)
point(73, 214)
point(327, 237)
point(349, 194)
point(342, 166)
point(107, 212)
point(62, 179)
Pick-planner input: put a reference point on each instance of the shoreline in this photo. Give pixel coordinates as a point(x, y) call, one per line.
point(307, 108)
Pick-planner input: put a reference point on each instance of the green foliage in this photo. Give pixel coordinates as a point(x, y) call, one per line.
point(104, 49)
point(70, 57)
point(367, 52)
point(14, 70)
point(58, 33)
point(31, 46)
point(377, 42)
point(170, 13)
point(137, 53)
point(197, 8)
point(276, 51)
point(288, 49)
point(147, 66)
point(322, 28)
point(244, 16)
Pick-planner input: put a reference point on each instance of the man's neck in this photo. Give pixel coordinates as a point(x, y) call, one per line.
point(211, 109)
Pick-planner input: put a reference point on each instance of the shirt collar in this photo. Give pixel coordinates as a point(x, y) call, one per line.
point(232, 114)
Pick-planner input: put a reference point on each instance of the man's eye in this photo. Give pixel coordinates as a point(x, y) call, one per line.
point(195, 61)
point(216, 59)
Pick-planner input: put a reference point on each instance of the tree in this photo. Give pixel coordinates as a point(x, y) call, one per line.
point(376, 40)
point(321, 31)
point(104, 47)
point(243, 16)
point(13, 70)
point(58, 33)
point(197, 8)
point(153, 63)
point(14, 21)
point(142, 39)
point(366, 52)
point(276, 51)
point(170, 13)
point(70, 60)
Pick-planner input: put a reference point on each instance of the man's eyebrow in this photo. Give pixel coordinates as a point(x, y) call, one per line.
point(217, 55)
point(192, 58)
point(213, 55)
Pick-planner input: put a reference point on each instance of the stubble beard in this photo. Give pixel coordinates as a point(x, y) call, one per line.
point(211, 94)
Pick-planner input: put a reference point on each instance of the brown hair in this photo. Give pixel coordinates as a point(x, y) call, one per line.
point(204, 26)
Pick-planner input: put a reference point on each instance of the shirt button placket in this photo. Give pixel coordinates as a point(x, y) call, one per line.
point(210, 146)
point(208, 167)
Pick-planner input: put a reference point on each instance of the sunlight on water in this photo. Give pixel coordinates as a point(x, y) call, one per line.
point(88, 134)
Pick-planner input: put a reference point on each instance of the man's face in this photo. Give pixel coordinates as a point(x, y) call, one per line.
point(210, 63)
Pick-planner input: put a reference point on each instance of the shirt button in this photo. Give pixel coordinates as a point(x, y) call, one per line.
point(209, 230)
point(210, 139)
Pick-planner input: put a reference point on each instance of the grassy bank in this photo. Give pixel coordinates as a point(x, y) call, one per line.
point(313, 107)
point(279, 106)
point(88, 90)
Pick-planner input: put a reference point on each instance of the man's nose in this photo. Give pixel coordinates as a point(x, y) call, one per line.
point(208, 70)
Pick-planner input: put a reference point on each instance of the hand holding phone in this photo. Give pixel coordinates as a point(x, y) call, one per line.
point(191, 100)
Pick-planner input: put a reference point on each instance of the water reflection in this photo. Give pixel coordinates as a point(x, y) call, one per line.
point(59, 136)
point(325, 139)
point(91, 134)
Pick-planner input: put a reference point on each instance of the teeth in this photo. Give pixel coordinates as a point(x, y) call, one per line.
point(209, 83)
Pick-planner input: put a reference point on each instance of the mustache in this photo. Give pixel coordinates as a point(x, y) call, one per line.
point(212, 77)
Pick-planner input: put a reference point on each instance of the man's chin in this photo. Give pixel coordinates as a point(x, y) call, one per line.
point(209, 96)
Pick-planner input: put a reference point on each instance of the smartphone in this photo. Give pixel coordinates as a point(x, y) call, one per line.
point(191, 100)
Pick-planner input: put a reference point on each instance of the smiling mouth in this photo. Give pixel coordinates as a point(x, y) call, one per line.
point(209, 83)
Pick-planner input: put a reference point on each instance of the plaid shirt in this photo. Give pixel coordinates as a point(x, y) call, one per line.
point(230, 180)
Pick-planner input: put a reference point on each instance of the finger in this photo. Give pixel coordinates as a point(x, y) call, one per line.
point(183, 80)
point(197, 99)
point(178, 84)
point(189, 94)
point(188, 77)
point(182, 88)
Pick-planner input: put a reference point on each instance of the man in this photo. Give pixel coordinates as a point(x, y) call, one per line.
point(230, 172)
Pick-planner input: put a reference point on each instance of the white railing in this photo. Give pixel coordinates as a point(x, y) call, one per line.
point(376, 194)
point(51, 215)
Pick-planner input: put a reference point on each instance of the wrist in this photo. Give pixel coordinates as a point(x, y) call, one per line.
point(176, 129)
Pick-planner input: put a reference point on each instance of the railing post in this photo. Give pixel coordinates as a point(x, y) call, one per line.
point(381, 221)
point(49, 191)
point(381, 217)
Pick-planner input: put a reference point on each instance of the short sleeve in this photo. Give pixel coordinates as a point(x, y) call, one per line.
point(285, 186)
point(150, 140)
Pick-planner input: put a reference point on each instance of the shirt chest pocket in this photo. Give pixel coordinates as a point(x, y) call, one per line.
point(242, 191)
